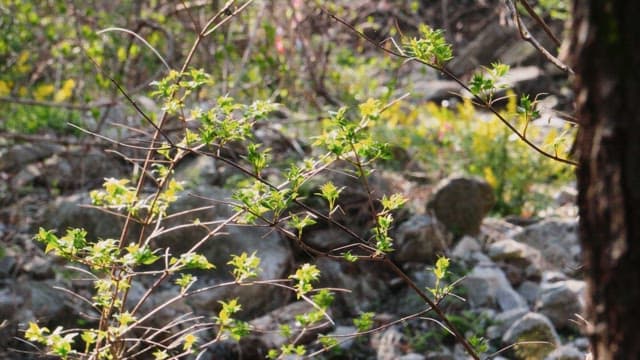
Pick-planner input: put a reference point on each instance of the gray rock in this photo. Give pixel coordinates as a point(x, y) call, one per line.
point(164, 302)
point(531, 327)
point(26, 176)
point(390, 346)
point(465, 248)
point(327, 239)
point(7, 265)
point(72, 168)
point(441, 354)
point(39, 268)
point(420, 239)
point(520, 261)
point(487, 286)
point(529, 290)
point(581, 343)
point(365, 280)
point(199, 171)
point(269, 324)
point(412, 356)
point(20, 155)
point(552, 276)
point(566, 352)
point(341, 330)
point(561, 300)
point(495, 229)
point(461, 203)
point(566, 195)
point(41, 302)
point(504, 321)
point(557, 241)
point(274, 252)
point(68, 212)
point(9, 303)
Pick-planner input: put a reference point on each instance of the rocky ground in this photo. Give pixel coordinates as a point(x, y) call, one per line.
point(520, 282)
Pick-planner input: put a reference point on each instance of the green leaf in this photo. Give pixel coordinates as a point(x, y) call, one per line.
point(442, 264)
point(244, 266)
point(185, 281)
point(364, 322)
point(304, 276)
point(348, 256)
point(192, 261)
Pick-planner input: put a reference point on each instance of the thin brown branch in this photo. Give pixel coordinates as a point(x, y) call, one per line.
point(540, 21)
point(525, 34)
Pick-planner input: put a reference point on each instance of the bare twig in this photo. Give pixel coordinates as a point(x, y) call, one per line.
point(526, 36)
point(540, 21)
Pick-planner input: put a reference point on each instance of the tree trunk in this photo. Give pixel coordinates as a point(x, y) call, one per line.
point(606, 43)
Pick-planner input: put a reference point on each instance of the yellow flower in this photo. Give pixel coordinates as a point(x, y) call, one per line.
point(21, 64)
point(66, 91)
point(5, 88)
point(43, 91)
point(490, 177)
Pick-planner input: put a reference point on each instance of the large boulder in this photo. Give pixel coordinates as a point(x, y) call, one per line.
point(461, 203)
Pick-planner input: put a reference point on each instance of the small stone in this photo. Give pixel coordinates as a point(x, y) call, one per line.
point(391, 343)
point(412, 356)
point(39, 268)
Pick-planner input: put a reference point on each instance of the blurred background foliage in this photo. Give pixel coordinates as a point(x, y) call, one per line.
point(55, 68)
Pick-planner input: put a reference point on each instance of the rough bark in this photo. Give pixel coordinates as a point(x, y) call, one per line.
point(606, 40)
